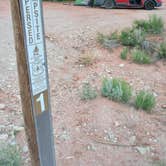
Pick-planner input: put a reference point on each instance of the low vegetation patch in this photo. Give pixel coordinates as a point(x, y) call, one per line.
point(88, 92)
point(124, 53)
point(107, 41)
point(87, 59)
point(10, 156)
point(154, 25)
point(116, 89)
point(138, 36)
point(162, 51)
point(145, 100)
point(132, 37)
point(140, 57)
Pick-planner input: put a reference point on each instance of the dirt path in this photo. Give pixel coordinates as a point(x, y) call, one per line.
point(84, 130)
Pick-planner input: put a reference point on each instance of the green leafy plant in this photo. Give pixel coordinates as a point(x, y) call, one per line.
point(116, 89)
point(10, 155)
point(132, 37)
point(140, 57)
point(88, 92)
point(154, 25)
point(162, 50)
point(145, 100)
point(124, 53)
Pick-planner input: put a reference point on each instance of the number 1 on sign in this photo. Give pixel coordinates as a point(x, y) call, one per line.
point(41, 100)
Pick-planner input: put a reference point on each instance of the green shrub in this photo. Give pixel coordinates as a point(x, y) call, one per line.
point(88, 92)
point(141, 24)
point(116, 89)
point(124, 53)
point(10, 156)
point(132, 37)
point(145, 100)
point(154, 25)
point(140, 57)
point(162, 51)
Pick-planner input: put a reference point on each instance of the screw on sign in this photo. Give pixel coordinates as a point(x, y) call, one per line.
point(33, 78)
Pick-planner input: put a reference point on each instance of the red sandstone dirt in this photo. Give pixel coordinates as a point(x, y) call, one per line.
point(84, 131)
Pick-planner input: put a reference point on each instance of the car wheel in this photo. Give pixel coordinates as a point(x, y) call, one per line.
point(149, 5)
point(108, 4)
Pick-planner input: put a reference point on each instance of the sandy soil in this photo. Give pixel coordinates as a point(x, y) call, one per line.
point(84, 131)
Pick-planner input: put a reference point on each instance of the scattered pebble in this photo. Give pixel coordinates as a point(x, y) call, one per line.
point(121, 65)
point(2, 106)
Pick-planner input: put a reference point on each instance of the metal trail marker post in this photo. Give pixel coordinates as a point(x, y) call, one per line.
point(28, 26)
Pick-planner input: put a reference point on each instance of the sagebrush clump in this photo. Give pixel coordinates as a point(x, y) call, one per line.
point(132, 37)
point(10, 155)
point(88, 92)
point(140, 57)
point(116, 89)
point(145, 100)
point(162, 50)
point(154, 25)
point(124, 53)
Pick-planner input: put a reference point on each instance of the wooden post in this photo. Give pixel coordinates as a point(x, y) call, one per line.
point(30, 48)
point(24, 83)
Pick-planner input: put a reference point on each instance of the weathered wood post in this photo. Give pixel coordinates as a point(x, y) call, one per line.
point(28, 26)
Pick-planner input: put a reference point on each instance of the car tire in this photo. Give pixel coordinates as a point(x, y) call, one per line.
point(108, 4)
point(149, 5)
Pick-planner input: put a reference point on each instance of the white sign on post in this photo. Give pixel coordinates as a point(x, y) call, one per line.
point(36, 52)
point(32, 21)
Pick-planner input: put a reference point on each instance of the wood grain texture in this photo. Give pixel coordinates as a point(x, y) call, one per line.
point(24, 83)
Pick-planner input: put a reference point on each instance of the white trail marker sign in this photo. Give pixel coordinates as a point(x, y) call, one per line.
point(33, 78)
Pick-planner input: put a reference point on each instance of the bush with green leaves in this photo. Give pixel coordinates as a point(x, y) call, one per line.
point(154, 24)
point(116, 89)
point(88, 92)
point(140, 57)
point(145, 100)
point(162, 50)
point(132, 37)
point(10, 155)
point(124, 53)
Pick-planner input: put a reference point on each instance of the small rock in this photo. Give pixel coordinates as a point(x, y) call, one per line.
point(132, 139)
point(64, 136)
point(3, 137)
point(143, 150)
point(25, 149)
point(18, 128)
point(91, 147)
point(164, 106)
point(2, 106)
point(117, 124)
point(121, 65)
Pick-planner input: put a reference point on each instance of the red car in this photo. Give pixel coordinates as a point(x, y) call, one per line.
point(147, 4)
